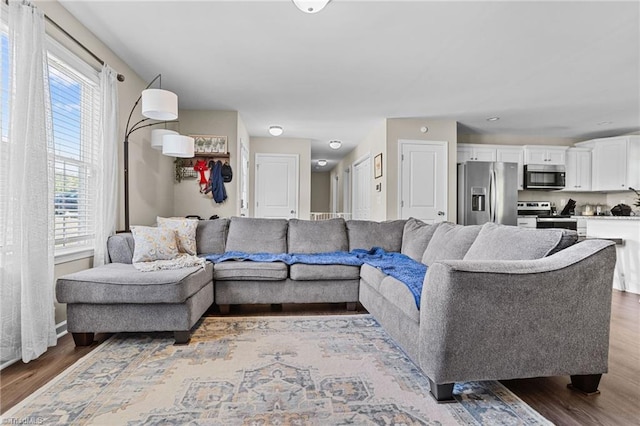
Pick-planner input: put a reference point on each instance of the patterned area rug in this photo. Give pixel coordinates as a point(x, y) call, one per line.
point(317, 370)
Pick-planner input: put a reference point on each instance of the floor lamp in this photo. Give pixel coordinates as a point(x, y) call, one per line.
point(161, 105)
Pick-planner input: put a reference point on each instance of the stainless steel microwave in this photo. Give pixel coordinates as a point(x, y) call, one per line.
point(544, 176)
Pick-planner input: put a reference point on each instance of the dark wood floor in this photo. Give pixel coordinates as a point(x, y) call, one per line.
point(618, 403)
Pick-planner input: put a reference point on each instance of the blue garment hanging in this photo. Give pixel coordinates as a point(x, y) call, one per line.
point(217, 182)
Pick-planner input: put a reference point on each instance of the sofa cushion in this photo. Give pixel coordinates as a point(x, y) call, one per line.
point(502, 242)
point(153, 243)
point(372, 275)
point(365, 234)
point(416, 236)
point(120, 247)
point(122, 283)
point(257, 235)
point(304, 272)
point(317, 236)
point(450, 242)
point(250, 271)
point(399, 294)
point(211, 235)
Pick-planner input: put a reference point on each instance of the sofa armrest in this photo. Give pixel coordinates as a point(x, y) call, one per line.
point(487, 320)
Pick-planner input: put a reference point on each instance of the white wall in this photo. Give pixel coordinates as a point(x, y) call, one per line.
point(302, 147)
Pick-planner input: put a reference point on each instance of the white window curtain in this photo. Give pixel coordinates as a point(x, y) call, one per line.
point(26, 194)
point(107, 177)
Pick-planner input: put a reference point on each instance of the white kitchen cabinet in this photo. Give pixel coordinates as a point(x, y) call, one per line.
point(578, 170)
point(476, 153)
point(513, 154)
point(527, 222)
point(552, 155)
point(615, 163)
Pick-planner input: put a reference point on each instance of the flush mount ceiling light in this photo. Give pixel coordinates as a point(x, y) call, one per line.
point(311, 6)
point(276, 130)
point(335, 144)
point(493, 118)
point(605, 123)
point(322, 163)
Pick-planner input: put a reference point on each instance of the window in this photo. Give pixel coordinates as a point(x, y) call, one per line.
point(75, 118)
point(75, 114)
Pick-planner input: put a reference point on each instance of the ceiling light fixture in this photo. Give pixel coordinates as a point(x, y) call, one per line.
point(311, 6)
point(335, 144)
point(493, 118)
point(605, 123)
point(276, 130)
point(322, 163)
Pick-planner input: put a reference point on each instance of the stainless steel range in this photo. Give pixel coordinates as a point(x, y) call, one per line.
point(545, 215)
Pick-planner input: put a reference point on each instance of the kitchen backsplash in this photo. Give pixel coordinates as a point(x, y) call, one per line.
point(607, 201)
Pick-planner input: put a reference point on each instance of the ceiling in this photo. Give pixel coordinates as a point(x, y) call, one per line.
point(549, 69)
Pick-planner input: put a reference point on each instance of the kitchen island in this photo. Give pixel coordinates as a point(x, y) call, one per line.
point(627, 273)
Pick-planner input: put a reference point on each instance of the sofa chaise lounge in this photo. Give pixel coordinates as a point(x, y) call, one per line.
point(497, 302)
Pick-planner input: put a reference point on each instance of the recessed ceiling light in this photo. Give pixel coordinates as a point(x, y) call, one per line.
point(335, 144)
point(493, 118)
point(605, 123)
point(276, 130)
point(322, 163)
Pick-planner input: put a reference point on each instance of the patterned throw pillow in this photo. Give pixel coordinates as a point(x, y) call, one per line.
point(153, 243)
point(185, 230)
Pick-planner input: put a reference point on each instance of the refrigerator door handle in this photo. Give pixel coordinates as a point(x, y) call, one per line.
point(492, 196)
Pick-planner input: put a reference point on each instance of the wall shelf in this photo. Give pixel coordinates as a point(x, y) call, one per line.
point(212, 155)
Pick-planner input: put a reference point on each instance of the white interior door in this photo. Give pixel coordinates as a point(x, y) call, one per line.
point(334, 195)
point(276, 186)
point(423, 180)
point(346, 191)
point(361, 207)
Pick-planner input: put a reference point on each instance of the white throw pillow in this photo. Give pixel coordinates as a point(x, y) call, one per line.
point(185, 230)
point(153, 243)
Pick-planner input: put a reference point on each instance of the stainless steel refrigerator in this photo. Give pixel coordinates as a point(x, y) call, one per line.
point(487, 192)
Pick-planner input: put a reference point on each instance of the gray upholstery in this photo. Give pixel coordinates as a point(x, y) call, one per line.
point(415, 238)
point(306, 236)
point(257, 235)
point(303, 272)
point(247, 270)
point(122, 283)
point(120, 247)
point(484, 320)
point(365, 234)
point(501, 242)
point(211, 235)
point(449, 242)
point(113, 318)
point(286, 291)
point(522, 303)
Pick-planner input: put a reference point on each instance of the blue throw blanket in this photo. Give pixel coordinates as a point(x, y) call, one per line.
point(397, 265)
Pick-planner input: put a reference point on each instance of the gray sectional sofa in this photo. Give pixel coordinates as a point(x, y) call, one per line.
point(497, 302)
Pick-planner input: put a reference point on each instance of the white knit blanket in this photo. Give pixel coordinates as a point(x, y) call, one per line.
point(182, 261)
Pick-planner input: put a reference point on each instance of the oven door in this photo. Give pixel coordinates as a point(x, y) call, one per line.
point(544, 177)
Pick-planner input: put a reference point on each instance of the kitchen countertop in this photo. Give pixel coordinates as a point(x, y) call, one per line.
point(608, 217)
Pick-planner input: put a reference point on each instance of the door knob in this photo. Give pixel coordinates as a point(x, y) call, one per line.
point(293, 211)
point(440, 213)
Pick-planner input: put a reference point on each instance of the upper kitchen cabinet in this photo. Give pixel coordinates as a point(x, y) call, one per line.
point(615, 163)
point(551, 155)
point(467, 152)
point(578, 170)
point(513, 154)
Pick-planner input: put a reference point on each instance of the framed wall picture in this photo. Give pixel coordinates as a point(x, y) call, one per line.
point(209, 144)
point(377, 166)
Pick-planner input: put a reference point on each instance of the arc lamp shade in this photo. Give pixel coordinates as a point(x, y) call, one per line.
point(157, 137)
point(159, 104)
point(178, 146)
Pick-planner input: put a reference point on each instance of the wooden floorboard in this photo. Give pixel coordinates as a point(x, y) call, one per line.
point(618, 403)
